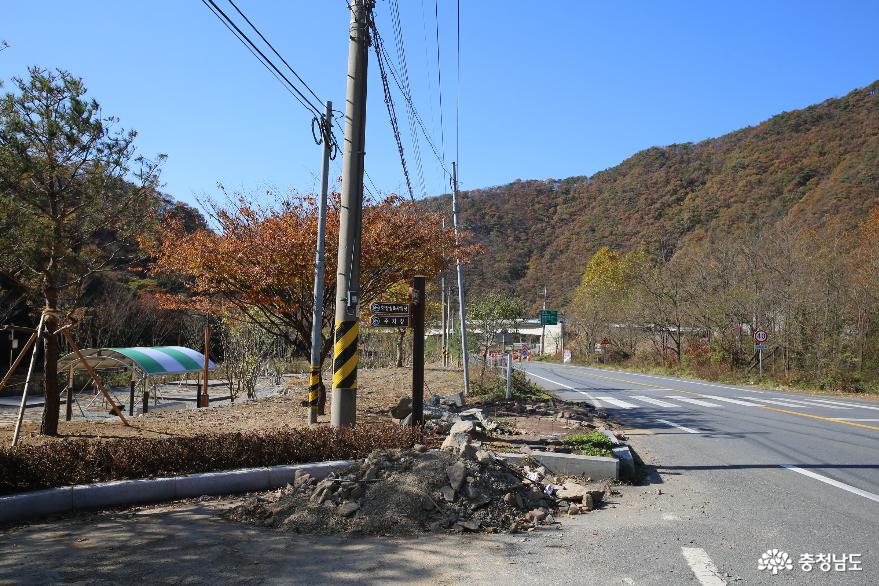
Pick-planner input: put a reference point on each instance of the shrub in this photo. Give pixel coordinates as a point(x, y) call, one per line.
point(79, 460)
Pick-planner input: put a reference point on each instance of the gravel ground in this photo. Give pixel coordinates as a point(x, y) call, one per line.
point(380, 388)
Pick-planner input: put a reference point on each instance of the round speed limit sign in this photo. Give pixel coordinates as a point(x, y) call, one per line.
point(761, 336)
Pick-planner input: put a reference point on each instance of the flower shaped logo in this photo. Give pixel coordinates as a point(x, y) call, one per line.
point(775, 560)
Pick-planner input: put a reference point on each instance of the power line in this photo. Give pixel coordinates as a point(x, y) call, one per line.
point(284, 61)
point(381, 55)
point(404, 70)
point(418, 118)
point(249, 48)
point(457, 91)
point(241, 36)
point(439, 77)
point(427, 73)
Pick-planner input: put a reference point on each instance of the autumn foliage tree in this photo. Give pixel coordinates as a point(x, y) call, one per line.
point(258, 264)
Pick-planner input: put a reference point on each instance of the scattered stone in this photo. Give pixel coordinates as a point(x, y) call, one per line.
point(536, 515)
point(456, 399)
point(347, 508)
point(470, 525)
point(448, 493)
point(403, 408)
point(576, 492)
point(469, 451)
point(456, 473)
point(587, 504)
point(464, 427)
point(455, 442)
point(420, 448)
point(483, 456)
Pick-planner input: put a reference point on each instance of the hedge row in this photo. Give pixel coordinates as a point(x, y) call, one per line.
point(70, 461)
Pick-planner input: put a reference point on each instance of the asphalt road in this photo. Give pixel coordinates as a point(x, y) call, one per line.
point(748, 469)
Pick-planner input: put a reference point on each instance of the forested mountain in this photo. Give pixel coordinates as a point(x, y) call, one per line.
point(808, 167)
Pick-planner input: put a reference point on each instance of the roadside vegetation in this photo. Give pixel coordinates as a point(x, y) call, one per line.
point(492, 386)
point(81, 460)
point(593, 443)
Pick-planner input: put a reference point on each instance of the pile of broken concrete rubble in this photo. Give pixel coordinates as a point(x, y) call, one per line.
point(399, 492)
point(442, 413)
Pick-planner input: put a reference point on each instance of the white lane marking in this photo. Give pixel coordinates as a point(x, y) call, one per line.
point(681, 427)
point(555, 382)
point(832, 482)
point(734, 401)
point(855, 405)
point(777, 402)
point(617, 402)
point(853, 419)
point(808, 403)
point(682, 380)
point(654, 401)
point(702, 566)
point(693, 401)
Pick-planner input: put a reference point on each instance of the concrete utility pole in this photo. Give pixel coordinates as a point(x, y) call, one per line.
point(462, 312)
point(443, 302)
point(317, 311)
point(445, 340)
point(347, 327)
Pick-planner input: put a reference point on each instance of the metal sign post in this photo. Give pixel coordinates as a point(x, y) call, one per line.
point(509, 394)
point(760, 339)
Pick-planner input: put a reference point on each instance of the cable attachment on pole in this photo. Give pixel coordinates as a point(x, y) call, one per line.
point(321, 132)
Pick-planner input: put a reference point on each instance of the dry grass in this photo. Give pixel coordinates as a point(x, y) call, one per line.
point(380, 389)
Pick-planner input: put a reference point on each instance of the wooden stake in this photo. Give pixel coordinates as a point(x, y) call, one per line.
point(27, 383)
point(418, 302)
point(18, 360)
point(205, 400)
point(68, 415)
point(115, 408)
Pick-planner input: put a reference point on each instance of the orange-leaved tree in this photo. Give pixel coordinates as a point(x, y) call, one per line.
point(259, 263)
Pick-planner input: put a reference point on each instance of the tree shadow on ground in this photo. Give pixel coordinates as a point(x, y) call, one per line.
point(192, 545)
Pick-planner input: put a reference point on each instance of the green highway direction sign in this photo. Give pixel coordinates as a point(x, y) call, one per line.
point(549, 317)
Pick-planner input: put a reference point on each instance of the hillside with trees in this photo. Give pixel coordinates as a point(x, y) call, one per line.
point(805, 169)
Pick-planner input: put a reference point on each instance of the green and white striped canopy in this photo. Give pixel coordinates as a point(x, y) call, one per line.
point(153, 361)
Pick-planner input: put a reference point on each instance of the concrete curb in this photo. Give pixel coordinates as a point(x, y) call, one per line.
point(40, 503)
point(595, 467)
point(610, 435)
point(627, 462)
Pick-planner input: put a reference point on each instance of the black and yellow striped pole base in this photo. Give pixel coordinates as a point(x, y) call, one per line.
point(345, 358)
point(313, 402)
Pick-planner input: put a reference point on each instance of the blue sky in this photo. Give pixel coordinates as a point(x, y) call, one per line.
point(567, 89)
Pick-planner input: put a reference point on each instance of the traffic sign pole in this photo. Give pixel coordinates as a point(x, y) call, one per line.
point(761, 336)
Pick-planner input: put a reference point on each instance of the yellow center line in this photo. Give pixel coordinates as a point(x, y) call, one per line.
point(789, 412)
point(821, 418)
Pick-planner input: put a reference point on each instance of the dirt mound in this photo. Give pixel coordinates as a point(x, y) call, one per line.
point(403, 492)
